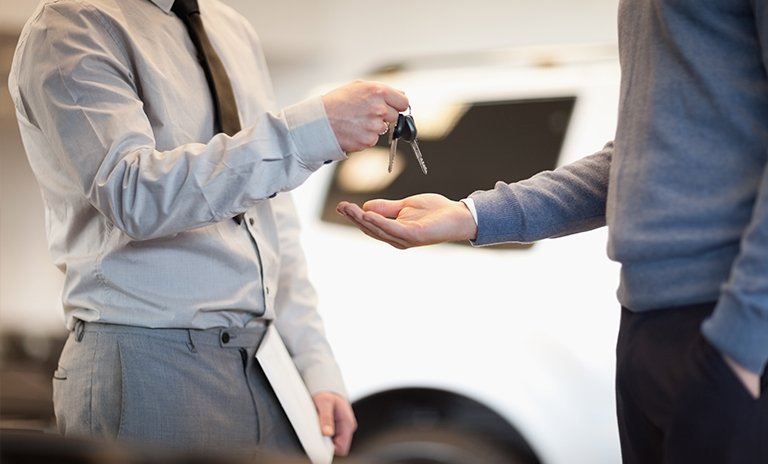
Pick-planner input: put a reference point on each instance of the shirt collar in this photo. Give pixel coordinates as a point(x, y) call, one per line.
point(164, 5)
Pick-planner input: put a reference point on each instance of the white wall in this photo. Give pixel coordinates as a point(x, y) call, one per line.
point(308, 42)
point(338, 40)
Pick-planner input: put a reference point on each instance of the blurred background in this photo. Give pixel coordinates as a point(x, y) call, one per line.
point(309, 45)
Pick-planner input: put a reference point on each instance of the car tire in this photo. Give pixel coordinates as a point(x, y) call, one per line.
point(433, 446)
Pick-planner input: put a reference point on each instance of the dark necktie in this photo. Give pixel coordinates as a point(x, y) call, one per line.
point(225, 108)
point(225, 118)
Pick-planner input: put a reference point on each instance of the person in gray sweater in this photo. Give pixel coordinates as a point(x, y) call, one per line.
point(683, 190)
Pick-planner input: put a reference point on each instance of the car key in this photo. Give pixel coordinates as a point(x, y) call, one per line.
point(405, 128)
point(392, 145)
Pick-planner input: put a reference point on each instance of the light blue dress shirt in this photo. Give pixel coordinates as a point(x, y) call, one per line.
point(117, 121)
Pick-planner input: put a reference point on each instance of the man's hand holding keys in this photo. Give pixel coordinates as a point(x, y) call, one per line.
point(361, 111)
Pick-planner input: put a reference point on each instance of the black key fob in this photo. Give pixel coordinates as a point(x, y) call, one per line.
point(405, 128)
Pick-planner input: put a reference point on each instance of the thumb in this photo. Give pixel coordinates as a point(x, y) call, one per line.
point(325, 415)
point(386, 208)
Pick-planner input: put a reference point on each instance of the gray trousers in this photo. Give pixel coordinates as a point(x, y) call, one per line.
point(182, 389)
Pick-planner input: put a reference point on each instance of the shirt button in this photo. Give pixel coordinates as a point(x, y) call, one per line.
point(251, 221)
point(225, 337)
point(266, 289)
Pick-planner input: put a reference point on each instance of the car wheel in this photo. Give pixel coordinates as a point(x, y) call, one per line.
point(434, 446)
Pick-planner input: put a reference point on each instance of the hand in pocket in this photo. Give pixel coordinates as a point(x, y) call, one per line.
point(750, 380)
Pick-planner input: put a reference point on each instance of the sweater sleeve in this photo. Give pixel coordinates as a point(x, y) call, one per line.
point(739, 325)
point(565, 201)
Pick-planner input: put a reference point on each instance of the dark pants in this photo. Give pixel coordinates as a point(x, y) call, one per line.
point(678, 401)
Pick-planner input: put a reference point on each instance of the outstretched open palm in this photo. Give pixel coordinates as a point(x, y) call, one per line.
point(419, 220)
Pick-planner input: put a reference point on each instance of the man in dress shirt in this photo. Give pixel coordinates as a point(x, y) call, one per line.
point(167, 296)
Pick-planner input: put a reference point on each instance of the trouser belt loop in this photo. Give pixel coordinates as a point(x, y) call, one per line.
point(79, 330)
point(191, 342)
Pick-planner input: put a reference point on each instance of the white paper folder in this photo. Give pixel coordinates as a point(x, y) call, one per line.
point(294, 396)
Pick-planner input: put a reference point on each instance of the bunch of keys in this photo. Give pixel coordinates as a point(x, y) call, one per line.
point(404, 129)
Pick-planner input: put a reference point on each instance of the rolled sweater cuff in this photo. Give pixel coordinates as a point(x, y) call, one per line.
point(739, 330)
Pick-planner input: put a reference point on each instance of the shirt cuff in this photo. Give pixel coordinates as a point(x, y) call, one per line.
point(312, 133)
point(471, 206)
point(325, 377)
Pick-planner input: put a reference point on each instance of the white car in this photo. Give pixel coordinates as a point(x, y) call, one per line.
point(459, 355)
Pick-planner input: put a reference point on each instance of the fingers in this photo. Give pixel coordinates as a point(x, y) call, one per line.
point(337, 420)
point(347, 209)
point(373, 230)
point(395, 99)
point(750, 380)
point(345, 429)
point(324, 405)
point(357, 112)
point(374, 225)
point(345, 426)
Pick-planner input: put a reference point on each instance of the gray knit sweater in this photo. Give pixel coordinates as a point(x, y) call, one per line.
point(684, 187)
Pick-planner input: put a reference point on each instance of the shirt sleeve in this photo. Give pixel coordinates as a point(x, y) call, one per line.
point(555, 203)
point(296, 316)
point(81, 87)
